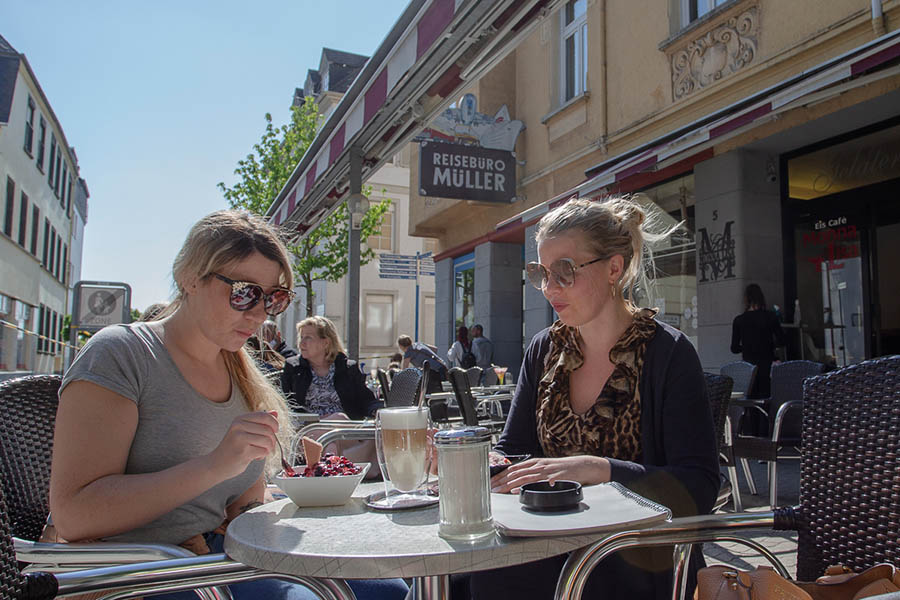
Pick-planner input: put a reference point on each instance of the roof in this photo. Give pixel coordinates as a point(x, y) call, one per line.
point(344, 58)
point(6, 47)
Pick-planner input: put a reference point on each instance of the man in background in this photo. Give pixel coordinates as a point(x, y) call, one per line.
point(482, 348)
point(416, 353)
point(272, 336)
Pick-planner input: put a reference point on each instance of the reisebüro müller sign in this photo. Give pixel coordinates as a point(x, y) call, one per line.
point(465, 172)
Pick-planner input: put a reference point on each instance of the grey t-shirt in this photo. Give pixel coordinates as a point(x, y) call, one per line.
point(483, 350)
point(175, 423)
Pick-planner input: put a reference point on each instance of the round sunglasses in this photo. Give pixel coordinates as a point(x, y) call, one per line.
point(562, 271)
point(245, 295)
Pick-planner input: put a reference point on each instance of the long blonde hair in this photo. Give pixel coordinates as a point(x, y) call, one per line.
point(326, 330)
point(610, 226)
point(215, 241)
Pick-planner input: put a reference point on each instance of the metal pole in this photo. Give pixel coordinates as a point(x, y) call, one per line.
point(418, 264)
point(353, 252)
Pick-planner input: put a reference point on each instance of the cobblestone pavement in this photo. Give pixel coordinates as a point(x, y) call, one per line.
point(782, 543)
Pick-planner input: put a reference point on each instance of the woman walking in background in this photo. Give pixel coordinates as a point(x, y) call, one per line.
point(754, 335)
point(460, 348)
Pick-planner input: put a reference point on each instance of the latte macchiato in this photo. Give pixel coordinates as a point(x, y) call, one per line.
point(403, 440)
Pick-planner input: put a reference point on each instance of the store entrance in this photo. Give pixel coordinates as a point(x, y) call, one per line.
point(846, 275)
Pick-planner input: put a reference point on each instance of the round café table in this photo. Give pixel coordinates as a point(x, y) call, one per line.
point(354, 542)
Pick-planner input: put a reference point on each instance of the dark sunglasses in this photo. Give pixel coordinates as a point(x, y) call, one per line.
point(246, 295)
point(562, 271)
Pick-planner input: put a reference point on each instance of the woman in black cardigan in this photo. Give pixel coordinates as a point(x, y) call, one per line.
point(324, 381)
point(607, 393)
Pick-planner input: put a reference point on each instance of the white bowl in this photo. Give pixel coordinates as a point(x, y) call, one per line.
point(320, 491)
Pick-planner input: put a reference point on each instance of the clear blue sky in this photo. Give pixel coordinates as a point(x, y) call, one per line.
point(161, 99)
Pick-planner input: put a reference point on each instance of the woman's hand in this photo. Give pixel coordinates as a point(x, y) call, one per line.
point(250, 437)
point(586, 470)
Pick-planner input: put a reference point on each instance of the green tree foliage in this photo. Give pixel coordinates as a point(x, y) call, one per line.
point(267, 169)
point(322, 254)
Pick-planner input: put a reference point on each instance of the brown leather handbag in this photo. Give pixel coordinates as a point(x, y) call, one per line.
point(839, 583)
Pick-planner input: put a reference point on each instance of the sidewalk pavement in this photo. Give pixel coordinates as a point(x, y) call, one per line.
point(782, 543)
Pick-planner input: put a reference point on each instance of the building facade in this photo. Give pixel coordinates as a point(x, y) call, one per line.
point(389, 306)
point(770, 130)
point(44, 211)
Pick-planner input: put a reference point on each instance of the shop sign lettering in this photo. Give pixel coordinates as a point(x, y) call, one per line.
point(839, 243)
point(466, 172)
point(716, 254)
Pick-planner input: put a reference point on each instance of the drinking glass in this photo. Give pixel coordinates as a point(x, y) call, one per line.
point(401, 442)
point(501, 372)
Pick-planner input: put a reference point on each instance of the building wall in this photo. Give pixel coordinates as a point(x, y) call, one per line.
point(636, 92)
point(22, 275)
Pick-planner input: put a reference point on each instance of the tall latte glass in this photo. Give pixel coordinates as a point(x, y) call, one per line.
point(401, 443)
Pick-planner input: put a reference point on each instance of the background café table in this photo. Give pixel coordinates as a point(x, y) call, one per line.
point(354, 542)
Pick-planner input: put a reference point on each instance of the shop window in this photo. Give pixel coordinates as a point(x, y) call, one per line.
point(675, 260)
point(29, 126)
point(464, 291)
point(573, 50)
point(384, 240)
point(379, 328)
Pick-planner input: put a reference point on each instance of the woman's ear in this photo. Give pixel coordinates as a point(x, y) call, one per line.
point(616, 268)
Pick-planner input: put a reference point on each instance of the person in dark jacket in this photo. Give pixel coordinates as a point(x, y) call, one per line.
point(754, 335)
point(607, 393)
point(324, 381)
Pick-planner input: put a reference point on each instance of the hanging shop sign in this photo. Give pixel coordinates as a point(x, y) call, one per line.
point(467, 155)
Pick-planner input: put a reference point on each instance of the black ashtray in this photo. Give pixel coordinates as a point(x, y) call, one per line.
point(513, 459)
point(541, 496)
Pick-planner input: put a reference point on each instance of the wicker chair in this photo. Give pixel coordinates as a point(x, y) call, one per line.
point(848, 494)
point(742, 373)
point(783, 410)
point(404, 390)
point(718, 388)
point(383, 383)
point(474, 375)
point(459, 380)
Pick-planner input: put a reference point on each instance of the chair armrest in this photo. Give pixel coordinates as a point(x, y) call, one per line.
point(54, 557)
point(781, 414)
point(685, 530)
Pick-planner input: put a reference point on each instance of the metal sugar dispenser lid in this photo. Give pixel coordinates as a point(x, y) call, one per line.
point(463, 436)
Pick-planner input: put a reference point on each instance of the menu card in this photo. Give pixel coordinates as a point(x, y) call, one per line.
point(605, 507)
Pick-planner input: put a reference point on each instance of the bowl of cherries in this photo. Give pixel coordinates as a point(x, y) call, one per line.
point(328, 482)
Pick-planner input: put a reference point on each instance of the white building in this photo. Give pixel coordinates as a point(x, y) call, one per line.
point(43, 210)
point(387, 306)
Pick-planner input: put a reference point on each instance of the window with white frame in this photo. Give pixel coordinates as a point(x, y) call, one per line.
point(29, 126)
point(379, 331)
point(384, 239)
point(573, 50)
point(691, 10)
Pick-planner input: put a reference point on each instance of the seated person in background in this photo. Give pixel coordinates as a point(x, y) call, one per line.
point(272, 336)
point(416, 353)
point(607, 393)
point(394, 367)
point(266, 359)
point(154, 311)
point(324, 381)
point(164, 427)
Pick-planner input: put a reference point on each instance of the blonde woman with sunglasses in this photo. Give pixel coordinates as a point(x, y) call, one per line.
point(607, 393)
point(164, 427)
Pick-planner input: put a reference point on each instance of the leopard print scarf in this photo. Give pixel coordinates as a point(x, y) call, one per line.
point(612, 426)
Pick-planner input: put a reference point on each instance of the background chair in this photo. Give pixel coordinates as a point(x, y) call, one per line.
point(468, 406)
point(742, 373)
point(783, 411)
point(490, 377)
point(404, 388)
point(383, 384)
point(474, 375)
point(848, 492)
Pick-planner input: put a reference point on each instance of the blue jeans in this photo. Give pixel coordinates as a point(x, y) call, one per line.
point(278, 589)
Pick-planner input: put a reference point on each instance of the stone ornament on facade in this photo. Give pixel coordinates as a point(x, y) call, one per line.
point(719, 52)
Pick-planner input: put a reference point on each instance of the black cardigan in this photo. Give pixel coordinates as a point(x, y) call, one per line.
point(680, 467)
point(356, 398)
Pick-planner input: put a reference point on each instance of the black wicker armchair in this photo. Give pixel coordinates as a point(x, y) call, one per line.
point(718, 388)
point(849, 497)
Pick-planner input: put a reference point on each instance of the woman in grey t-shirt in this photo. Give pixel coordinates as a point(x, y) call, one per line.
point(164, 427)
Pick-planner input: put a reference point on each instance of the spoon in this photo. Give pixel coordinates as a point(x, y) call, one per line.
point(288, 469)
